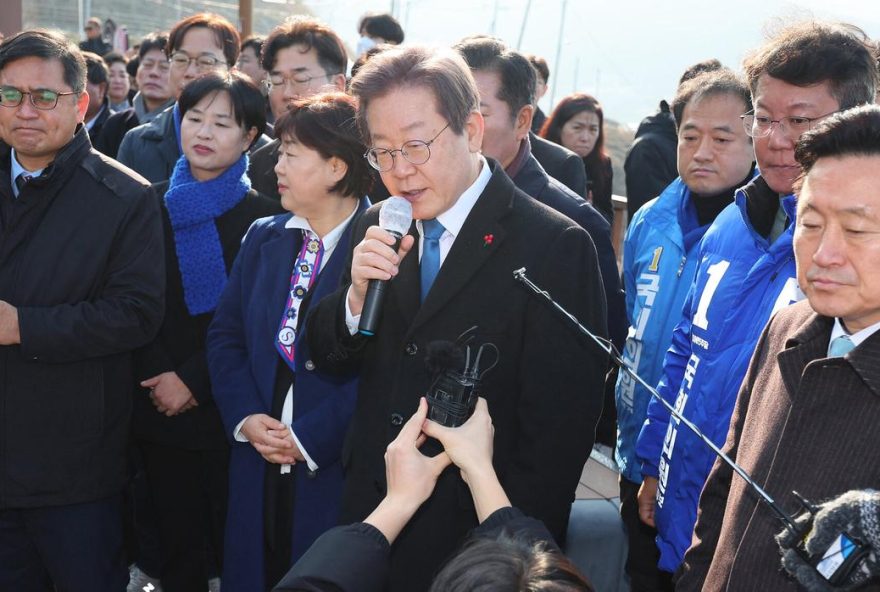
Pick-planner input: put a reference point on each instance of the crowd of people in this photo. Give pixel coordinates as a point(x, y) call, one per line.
point(192, 237)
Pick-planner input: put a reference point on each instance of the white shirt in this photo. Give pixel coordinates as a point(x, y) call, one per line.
point(330, 240)
point(452, 220)
point(16, 169)
point(857, 338)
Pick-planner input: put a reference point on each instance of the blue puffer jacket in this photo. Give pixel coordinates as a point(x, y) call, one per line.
point(657, 271)
point(741, 279)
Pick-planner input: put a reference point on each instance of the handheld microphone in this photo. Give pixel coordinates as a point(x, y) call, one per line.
point(395, 217)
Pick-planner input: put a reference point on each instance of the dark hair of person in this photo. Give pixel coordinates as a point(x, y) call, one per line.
point(97, 71)
point(710, 84)
point(517, 76)
point(255, 42)
point(811, 53)
point(509, 563)
point(385, 26)
point(48, 45)
point(362, 59)
point(224, 32)
point(441, 71)
point(540, 64)
point(132, 66)
point(855, 132)
point(115, 58)
point(694, 70)
point(327, 123)
point(151, 42)
point(596, 162)
point(248, 103)
point(311, 34)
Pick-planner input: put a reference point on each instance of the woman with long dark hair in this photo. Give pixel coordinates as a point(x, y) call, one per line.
point(578, 123)
point(207, 206)
point(286, 418)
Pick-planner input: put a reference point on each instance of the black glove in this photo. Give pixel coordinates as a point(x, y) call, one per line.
point(856, 514)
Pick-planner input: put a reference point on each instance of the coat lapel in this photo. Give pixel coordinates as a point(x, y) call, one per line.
point(809, 343)
point(279, 255)
point(405, 287)
point(471, 248)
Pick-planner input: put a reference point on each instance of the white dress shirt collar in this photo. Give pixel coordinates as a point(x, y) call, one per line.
point(453, 218)
point(858, 337)
point(331, 239)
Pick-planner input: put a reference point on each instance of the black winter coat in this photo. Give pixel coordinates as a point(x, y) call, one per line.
point(81, 258)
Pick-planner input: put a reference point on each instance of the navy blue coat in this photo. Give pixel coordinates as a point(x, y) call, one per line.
point(243, 363)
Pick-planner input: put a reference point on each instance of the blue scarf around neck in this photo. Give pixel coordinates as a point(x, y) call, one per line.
point(193, 206)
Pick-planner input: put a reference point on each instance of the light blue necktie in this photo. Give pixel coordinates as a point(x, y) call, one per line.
point(430, 264)
point(840, 346)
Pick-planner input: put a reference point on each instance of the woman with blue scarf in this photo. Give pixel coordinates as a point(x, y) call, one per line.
point(207, 207)
point(287, 419)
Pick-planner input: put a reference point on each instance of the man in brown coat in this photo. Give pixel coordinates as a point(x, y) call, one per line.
point(807, 412)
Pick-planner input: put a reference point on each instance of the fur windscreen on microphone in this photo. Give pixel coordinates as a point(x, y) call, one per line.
point(395, 216)
point(441, 356)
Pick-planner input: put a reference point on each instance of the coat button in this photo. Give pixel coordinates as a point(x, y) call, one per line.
point(310, 365)
point(311, 474)
point(396, 419)
point(411, 349)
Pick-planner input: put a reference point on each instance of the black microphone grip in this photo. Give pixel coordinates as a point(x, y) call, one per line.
point(372, 310)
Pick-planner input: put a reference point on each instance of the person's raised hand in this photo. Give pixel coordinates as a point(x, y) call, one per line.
point(410, 474)
point(374, 258)
point(469, 446)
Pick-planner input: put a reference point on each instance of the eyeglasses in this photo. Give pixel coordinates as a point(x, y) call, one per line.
point(181, 61)
point(42, 98)
point(760, 126)
point(298, 80)
point(414, 151)
point(162, 66)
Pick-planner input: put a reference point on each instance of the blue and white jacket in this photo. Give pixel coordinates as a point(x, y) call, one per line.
point(741, 280)
point(659, 259)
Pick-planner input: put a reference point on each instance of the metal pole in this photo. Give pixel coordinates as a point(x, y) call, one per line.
point(246, 17)
point(558, 53)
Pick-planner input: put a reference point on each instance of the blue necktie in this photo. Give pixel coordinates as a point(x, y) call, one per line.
point(20, 181)
point(840, 346)
point(430, 264)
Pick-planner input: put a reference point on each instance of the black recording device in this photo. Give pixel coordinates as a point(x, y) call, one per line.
point(457, 372)
point(836, 564)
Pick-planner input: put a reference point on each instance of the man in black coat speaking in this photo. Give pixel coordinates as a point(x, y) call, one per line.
point(420, 111)
point(81, 286)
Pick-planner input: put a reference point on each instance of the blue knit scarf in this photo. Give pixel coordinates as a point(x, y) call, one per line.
point(193, 206)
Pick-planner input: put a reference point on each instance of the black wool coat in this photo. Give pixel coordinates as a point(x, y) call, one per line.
point(544, 394)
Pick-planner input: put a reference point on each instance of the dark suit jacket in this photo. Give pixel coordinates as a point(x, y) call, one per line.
point(803, 422)
point(115, 128)
point(262, 169)
point(534, 181)
point(560, 163)
point(180, 345)
point(545, 393)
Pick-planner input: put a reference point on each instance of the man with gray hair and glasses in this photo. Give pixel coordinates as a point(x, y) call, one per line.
point(81, 286)
point(746, 268)
point(453, 274)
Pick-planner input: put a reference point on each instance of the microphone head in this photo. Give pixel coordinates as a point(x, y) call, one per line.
point(395, 216)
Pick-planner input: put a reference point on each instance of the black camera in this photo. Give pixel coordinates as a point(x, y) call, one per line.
point(453, 393)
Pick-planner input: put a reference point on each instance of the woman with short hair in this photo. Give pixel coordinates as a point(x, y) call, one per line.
point(286, 418)
point(207, 206)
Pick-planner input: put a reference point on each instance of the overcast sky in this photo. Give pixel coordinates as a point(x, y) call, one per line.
point(629, 53)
